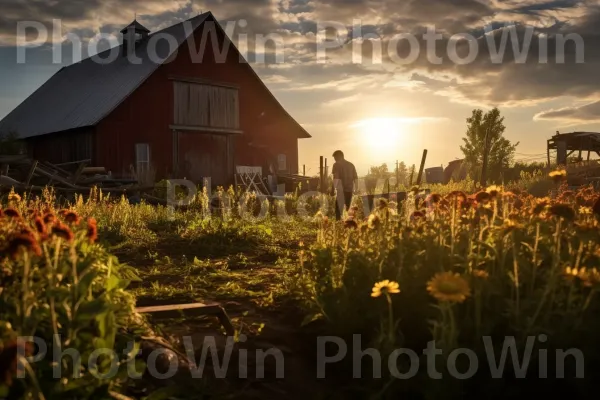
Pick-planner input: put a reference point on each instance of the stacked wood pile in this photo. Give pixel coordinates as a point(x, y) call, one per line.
point(22, 173)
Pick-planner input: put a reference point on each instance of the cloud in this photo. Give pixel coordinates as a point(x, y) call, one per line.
point(341, 101)
point(584, 114)
point(507, 83)
point(275, 79)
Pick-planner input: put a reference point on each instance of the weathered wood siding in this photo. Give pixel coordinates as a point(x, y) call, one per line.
point(62, 147)
point(202, 155)
point(148, 114)
point(203, 105)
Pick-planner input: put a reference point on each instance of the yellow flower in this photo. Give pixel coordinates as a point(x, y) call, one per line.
point(571, 271)
point(373, 221)
point(479, 273)
point(385, 287)
point(494, 190)
point(589, 277)
point(585, 210)
point(558, 172)
point(14, 196)
point(448, 286)
point(558, 175)
point(511, 224)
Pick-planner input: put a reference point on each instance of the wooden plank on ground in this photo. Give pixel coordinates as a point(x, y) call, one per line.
point(202, 308)
point(34, 164)
point(177, 307)
point(78, 173)
point(93, 170)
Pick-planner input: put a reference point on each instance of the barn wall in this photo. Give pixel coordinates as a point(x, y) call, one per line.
point(145, 117)
point(62, 147)
point(273, 128)
point(142, 118)
point(204, 154)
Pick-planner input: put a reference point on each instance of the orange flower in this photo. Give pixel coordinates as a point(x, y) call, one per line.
point(92, 230)
point(62, 231)
point(26, 241)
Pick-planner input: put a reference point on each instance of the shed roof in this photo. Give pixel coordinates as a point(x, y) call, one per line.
point(83, 93)
point(576, 141)
point(136, 26)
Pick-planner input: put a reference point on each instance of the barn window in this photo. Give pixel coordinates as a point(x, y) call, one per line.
point(282, 162)
point(142, 157)
point(206, 105)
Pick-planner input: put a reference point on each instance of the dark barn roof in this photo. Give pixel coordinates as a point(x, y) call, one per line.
point(137, 27)
point(82, 94)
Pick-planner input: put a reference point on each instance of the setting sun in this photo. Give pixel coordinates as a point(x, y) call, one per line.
point(380, 133)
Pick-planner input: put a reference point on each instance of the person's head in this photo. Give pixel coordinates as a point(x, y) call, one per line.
point(338, 155)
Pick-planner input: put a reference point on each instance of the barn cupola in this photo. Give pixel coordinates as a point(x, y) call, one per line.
point(132, 34)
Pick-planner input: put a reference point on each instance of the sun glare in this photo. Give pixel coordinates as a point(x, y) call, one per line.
point(380, 133)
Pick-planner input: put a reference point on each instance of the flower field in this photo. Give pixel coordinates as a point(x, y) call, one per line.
point(475, 274)
point(465, 271)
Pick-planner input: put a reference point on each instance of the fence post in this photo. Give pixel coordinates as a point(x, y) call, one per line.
point(422, 167)
point(321, 174)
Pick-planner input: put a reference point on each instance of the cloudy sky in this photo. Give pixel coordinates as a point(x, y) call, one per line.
point(377, 96)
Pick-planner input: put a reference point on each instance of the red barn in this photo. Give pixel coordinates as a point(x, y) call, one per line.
point(178, 103)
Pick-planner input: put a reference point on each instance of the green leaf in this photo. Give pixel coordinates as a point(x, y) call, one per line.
point(114, 282)
point(108, 329)
point(86, 280)
point(91, 309)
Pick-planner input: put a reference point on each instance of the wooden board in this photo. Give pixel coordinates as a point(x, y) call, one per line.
point(202, 309)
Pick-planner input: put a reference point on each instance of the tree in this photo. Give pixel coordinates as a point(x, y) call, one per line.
point(487, 152)
point(380, 172)
point(401, 171)
point(377, 174)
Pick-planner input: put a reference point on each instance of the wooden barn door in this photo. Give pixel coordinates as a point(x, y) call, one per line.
point(203, 155)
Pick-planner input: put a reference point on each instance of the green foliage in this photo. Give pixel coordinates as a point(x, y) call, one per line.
point(60, 287)
point(486, 131)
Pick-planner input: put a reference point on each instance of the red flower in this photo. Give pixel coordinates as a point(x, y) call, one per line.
point(23, 240)
point(71, 217)
point(12, 213)
point(92, 230)
point(63, 231)
point(49, 218)
point(483, 197)
point(39, 225)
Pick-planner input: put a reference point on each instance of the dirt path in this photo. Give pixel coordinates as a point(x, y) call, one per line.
point(264, 319)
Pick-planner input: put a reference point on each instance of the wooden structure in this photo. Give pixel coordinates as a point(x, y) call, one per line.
point(434, 175)
point(421, 168)
point(23, 173)
point(175, 310)
point(157, 109)
point(250, 179)
point(455, 169)
point(565, 144)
